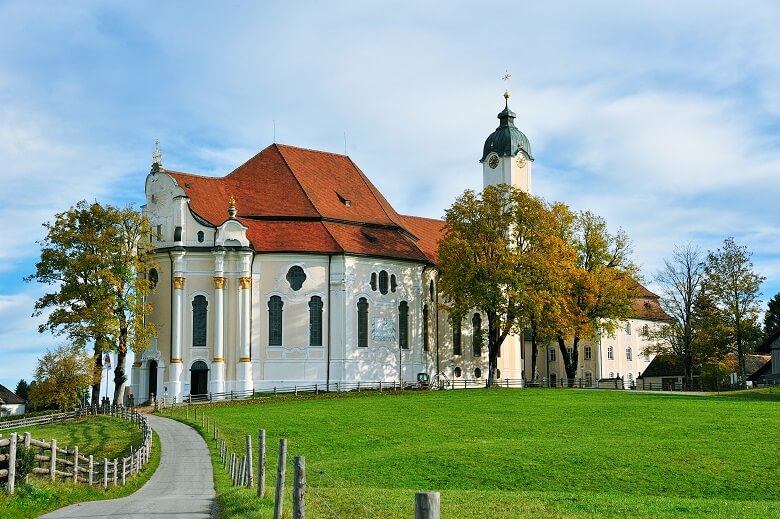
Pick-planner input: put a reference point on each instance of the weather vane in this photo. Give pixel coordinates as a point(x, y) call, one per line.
point(506, 77)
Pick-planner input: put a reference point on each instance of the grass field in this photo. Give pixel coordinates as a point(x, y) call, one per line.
point(100, 436)
point(518, 453)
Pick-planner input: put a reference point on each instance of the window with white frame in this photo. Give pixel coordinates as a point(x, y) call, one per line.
point(588, 352)
point(610, 353)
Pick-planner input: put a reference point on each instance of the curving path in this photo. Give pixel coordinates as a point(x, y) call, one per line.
point(182, 486)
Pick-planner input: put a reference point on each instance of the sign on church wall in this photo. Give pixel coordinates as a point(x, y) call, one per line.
point(383, 329)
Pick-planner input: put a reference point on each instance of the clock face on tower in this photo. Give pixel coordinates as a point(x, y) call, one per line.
point(493, 161)
point(520, 160)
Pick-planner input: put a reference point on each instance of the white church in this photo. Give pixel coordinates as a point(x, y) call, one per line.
point(294, 270)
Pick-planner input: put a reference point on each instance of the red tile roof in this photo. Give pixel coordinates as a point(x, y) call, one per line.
point(429, 232)
point(298, 200)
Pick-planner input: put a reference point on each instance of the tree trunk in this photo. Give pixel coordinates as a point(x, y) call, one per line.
point(119, 377)
point(688, 365)
point(493, 346)
point(119, 370)
point(569, 362)
point(98, 374)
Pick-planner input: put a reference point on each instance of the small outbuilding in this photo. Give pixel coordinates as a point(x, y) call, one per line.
point(10, 402)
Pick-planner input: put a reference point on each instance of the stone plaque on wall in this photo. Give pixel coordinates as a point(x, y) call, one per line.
point(383, 329)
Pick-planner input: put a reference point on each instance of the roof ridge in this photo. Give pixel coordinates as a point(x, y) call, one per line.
point(309, 149)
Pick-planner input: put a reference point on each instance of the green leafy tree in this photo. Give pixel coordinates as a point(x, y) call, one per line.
point(732, 289)
point(772, 316)
point(95, 258)
point(681, 281)
point(23, 390)
point(61, 377)
point(497, 249)
point(601, 285)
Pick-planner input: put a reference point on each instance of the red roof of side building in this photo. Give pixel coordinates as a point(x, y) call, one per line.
point(298, 200)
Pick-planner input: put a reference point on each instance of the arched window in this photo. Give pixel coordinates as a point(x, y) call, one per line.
point(588, 379)
point(476, 337)
point(458, 372)
point(610, 353)
point(477, 373)
point(373, 281)
point(201, 236)
point(362, 308)
point(315, 321)
point(275, 321)
point(177, 234)
point(393, 284)
point(295, 277)
point(628, 327)
point(199, 305)
point(383, 282)
point(431, 291)
point(456, 350)
point(588, 352)
point(628, 353)
point(426, 341)
point(403, 325)
point(154, 277)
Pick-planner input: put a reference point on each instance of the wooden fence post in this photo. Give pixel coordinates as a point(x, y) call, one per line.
point(281, 469)
point(426, 505)
point(105, 473)
point(76, 464)
point(124, 471)
point(91, 469)
point(299, 488)
point(53, 459)
point(115, 474)
point(261, 463)
point(12, 463)
point(250, 473)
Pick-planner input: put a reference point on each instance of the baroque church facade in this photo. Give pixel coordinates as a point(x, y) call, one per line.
point(294, 270)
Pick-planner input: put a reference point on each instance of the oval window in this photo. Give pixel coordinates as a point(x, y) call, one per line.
point(458, 372)
point(477, 373)
point(295, 277)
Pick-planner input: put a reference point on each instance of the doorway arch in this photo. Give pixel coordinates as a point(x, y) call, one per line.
point(199, 378)
point(152, 389)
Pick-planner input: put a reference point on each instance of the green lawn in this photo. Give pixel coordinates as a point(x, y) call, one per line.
point(100, 436)
point(517, 453)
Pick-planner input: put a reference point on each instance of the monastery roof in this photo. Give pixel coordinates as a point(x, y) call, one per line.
point(646, 306)
point(299, 200)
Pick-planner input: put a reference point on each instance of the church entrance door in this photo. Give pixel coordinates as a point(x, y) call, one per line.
point(152, 379)
point(199, 378)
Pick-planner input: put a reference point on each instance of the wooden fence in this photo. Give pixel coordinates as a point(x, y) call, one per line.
point(57, 463)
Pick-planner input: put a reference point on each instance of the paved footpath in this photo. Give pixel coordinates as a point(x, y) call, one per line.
point(182, 486)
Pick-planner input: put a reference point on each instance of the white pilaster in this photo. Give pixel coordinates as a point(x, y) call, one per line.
point(175, 370)
point(245, 316)
point(218, 360)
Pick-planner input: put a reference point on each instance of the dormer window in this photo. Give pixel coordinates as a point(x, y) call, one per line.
point(346, 201)
point(370, 237)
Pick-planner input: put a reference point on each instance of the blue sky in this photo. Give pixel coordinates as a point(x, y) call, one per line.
point(663, 117)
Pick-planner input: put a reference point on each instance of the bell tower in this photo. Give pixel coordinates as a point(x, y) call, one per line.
point(506, 156)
